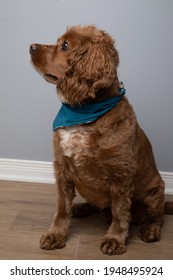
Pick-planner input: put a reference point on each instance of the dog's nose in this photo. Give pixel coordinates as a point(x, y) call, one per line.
point(33, 48)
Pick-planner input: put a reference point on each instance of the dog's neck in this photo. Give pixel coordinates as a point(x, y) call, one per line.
point(105, 93)
point(86, 113)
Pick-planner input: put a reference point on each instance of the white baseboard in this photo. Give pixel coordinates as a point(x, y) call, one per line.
point(168, 179)
point(42, 172)
point(26, 171)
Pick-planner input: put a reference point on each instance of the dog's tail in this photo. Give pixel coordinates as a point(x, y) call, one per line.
point(168, 207)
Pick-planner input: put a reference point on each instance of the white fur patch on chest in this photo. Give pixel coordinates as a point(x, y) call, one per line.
point(73, 141)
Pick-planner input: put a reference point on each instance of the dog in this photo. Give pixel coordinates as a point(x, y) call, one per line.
point(99, 147)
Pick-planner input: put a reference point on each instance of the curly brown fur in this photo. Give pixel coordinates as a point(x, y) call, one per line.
point(110, 161)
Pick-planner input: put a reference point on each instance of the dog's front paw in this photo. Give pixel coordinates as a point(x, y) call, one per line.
point(110, 246)
point(52, 241)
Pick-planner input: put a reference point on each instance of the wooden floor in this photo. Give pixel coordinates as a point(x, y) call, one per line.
point(26, 210)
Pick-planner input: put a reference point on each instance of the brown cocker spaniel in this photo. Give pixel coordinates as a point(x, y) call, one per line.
point(105, 155)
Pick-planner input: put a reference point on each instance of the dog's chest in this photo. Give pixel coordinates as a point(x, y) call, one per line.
point(74, 142)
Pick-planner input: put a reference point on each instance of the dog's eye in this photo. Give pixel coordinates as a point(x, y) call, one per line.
point(64, 46)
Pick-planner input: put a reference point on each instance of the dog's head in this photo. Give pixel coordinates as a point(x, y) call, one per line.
point(83, 61)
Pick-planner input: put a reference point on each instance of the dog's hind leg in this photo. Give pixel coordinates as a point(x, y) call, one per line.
point(168, 208)
point(82, 210)
point(154, 203)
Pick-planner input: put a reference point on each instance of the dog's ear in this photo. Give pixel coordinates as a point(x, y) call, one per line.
point(103, 65)
point(92, 66)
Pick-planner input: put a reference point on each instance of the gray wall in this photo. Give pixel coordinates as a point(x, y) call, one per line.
point(28, 105)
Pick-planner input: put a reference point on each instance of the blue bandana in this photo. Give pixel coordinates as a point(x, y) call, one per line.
point(82, 114)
